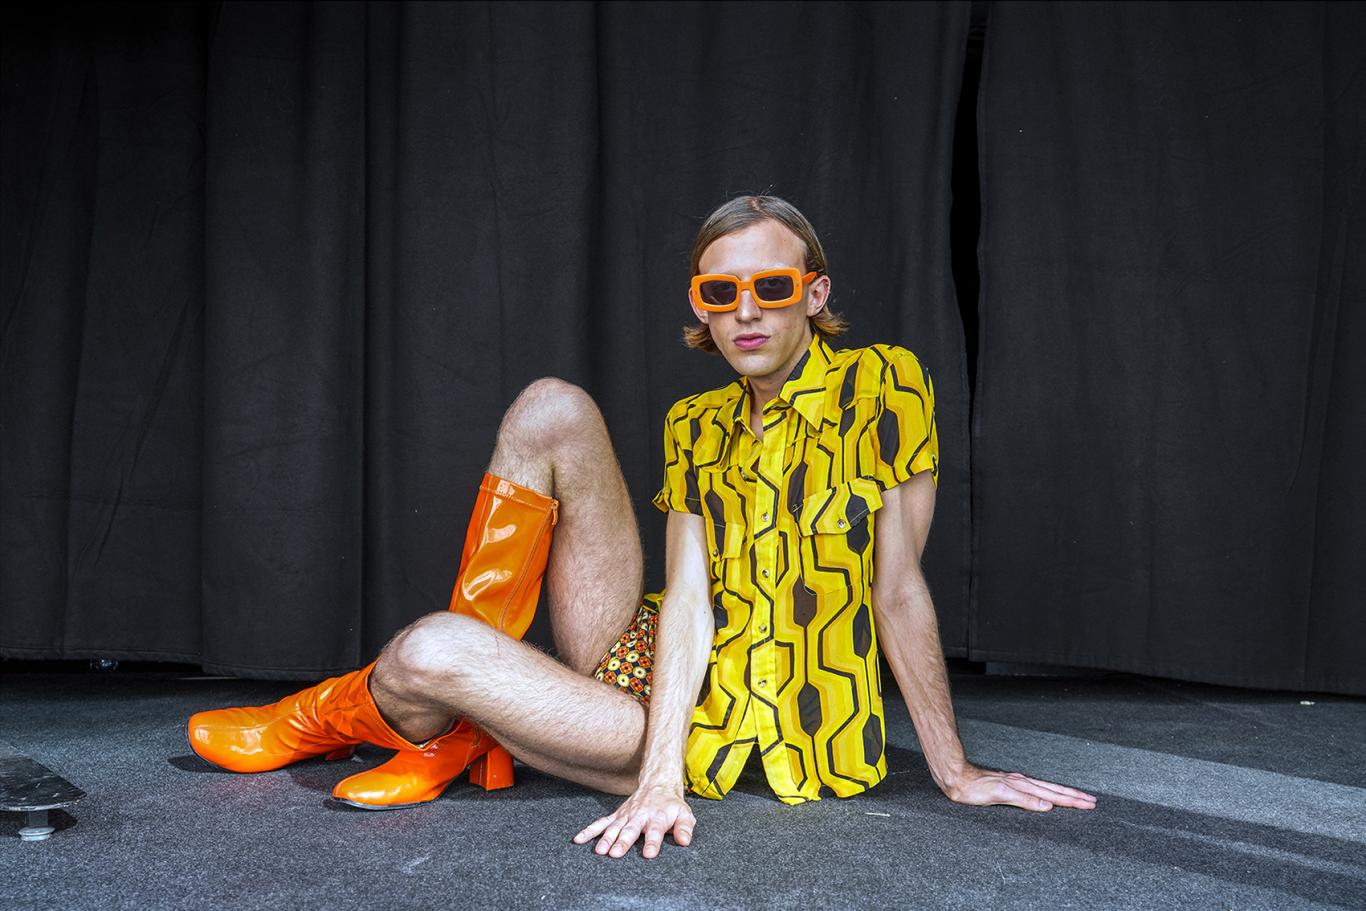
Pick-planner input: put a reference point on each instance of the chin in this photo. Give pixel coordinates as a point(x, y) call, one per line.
point(755, 363)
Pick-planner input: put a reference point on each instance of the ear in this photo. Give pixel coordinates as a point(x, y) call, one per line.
point(702, 315)
point(817, 294)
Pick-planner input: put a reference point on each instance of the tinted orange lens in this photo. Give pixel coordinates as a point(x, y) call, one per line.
point(718, 293)
point(773, 287)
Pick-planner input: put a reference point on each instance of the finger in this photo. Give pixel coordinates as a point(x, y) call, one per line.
point(1058, 799)
point(609, 836)
point(1062, 789)
point(1054, 794)
point(1014, 794)
point(1017, 797)
point(629, 833)
point(683, 828)
point(661, 826)
point(1052, 786)
point(1031, 797)
point(593, 829)
point(654, 837)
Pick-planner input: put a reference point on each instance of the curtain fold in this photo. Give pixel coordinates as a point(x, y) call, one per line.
point(1170, 376)
point(272, 272)
point(101, 350)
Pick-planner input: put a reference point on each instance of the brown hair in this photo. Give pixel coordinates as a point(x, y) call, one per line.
point(740, 213)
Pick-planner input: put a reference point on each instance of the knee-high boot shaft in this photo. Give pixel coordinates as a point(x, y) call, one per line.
point(504, 557)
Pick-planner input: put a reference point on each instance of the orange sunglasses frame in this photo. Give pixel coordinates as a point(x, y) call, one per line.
point(799, 283)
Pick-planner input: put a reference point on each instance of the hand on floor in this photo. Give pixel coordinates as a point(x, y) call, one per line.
point(653, 811)
point(985, 787)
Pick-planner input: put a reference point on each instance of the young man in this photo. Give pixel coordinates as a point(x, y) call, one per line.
point(799, 503)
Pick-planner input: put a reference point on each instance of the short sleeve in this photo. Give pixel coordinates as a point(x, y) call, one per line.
point(906, 436)
point(679, 492)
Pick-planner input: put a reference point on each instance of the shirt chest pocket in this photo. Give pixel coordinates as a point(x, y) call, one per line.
point(721, 513)
point(836, 529)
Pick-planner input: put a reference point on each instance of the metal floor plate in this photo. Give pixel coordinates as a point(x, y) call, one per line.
point(27, 786)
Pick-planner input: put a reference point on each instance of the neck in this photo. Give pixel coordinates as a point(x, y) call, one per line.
point(763, 389)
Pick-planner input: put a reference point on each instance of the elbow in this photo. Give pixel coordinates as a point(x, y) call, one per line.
point(909, 598)
point(703, 625)
point(689, 613)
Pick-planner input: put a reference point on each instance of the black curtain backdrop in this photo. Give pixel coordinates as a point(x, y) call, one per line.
point(272, 272)
point(1170, 418)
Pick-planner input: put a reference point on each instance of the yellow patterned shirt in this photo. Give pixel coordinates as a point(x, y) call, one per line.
point(790, 526)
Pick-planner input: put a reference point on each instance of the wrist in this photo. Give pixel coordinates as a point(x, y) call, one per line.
point(662, 766)
point(951, 775)
point(659, 779)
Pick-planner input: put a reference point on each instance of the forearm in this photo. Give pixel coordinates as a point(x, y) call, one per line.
point(909, 634)
point(682, 644)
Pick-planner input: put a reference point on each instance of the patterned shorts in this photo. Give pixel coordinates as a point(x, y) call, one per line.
point(627, 664)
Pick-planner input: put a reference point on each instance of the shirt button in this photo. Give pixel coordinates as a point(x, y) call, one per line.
point(841, 523)
point(764, 573)
point(713, 552)
point(763, 518)
point(763, 683)
point(763, 630)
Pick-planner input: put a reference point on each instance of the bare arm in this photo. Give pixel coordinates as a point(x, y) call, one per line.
point(682, 644)
point(909, 633)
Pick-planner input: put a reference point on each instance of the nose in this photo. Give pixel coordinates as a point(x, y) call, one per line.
point(747, 311)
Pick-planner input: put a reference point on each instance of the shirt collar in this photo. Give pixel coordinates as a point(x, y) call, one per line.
point(804, 390)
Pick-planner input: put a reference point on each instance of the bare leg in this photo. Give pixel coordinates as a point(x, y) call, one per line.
point(546, 715)
point(549, 715)
point(553, 439)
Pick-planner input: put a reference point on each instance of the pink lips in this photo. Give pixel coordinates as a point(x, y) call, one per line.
point(749, 342)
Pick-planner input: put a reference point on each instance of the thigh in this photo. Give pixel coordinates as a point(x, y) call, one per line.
point(553, 718)
point(554, 437)
point(546, 714)
point(601, 748)
point(595, 578)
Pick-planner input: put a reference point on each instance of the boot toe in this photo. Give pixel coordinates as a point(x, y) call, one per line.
point(226, 739)
point(379, 790)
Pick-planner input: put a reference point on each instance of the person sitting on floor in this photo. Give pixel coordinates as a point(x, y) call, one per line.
point(799, 501)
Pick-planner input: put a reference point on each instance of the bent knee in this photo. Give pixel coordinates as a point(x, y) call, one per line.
point(552, 390)
point(435, 646)
point(550, 408)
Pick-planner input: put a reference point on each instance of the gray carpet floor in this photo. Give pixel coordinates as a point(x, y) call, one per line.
point(1210, 798)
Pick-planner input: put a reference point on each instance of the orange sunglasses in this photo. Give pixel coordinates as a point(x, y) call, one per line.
point(771, 289)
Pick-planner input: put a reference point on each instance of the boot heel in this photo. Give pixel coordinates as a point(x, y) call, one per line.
point(493, 770)
point(340, 753)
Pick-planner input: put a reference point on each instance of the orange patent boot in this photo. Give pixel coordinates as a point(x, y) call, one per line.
point(506, 548)
point(417, 776)
point(327, 719)
point(499, 581)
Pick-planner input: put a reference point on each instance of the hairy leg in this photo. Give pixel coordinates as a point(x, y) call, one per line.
point(553, 439)
point(552, 716)
point(545, 714)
